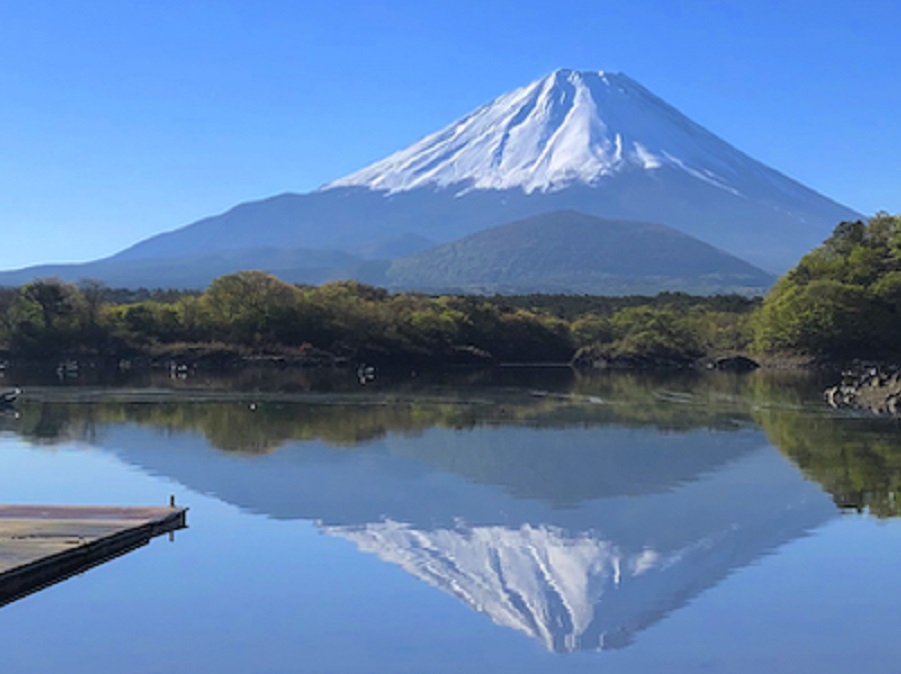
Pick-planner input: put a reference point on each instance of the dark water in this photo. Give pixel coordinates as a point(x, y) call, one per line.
point(483, 522)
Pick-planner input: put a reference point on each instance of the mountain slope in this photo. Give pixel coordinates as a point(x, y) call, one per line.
point(567, 251)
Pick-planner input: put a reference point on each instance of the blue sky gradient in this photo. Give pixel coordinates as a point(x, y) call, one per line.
point(120, 119)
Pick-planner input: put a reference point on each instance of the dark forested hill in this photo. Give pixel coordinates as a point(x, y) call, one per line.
point(568, 251)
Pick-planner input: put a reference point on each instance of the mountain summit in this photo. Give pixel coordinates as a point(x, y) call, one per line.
point(569, 127)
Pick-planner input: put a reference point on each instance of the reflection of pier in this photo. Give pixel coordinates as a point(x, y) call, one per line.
point(43, 545)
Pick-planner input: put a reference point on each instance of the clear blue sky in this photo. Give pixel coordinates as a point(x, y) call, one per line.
point(120, 119)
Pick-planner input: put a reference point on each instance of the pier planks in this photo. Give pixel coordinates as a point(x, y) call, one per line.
point(42, 545)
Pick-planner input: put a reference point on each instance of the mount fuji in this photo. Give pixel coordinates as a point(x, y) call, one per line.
point(570, 128)
point(594, 142)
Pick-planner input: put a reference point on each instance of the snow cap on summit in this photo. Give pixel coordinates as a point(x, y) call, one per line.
point(568, 127)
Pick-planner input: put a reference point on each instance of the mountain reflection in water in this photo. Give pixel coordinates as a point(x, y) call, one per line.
point(575, 522)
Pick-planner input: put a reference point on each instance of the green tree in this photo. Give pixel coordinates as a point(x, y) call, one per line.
point(46, 317)
point(842, 299)
point(591, 329)
point(7, 300)
point(249, 307)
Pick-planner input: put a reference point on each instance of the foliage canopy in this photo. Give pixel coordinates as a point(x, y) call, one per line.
point(843, 299)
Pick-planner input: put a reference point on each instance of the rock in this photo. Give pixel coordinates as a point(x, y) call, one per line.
point(593, 358)
point(873, 388)
point(892, 405)
point(735, 364)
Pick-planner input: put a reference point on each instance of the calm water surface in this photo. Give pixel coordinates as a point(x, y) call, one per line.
point(499, 522)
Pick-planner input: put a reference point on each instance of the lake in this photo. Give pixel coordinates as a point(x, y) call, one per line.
point(501, 521)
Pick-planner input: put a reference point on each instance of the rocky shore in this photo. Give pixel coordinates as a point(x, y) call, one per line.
point(873, 388)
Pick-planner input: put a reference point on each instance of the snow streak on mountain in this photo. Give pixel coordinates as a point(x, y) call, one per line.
point(569, 127)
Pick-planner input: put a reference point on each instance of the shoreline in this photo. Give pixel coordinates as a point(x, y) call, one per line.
point(219, 361)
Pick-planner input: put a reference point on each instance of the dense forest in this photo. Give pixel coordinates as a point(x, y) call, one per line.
point(842, 301)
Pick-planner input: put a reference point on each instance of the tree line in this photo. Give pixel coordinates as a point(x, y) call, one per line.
point(253, 312)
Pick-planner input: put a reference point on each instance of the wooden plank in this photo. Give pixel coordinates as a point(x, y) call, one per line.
point(42, 545)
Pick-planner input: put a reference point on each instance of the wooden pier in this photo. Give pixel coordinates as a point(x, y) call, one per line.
point(42, 545)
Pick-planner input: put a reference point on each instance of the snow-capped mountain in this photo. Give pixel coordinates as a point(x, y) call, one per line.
point(593, 142)
point(569, 127)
